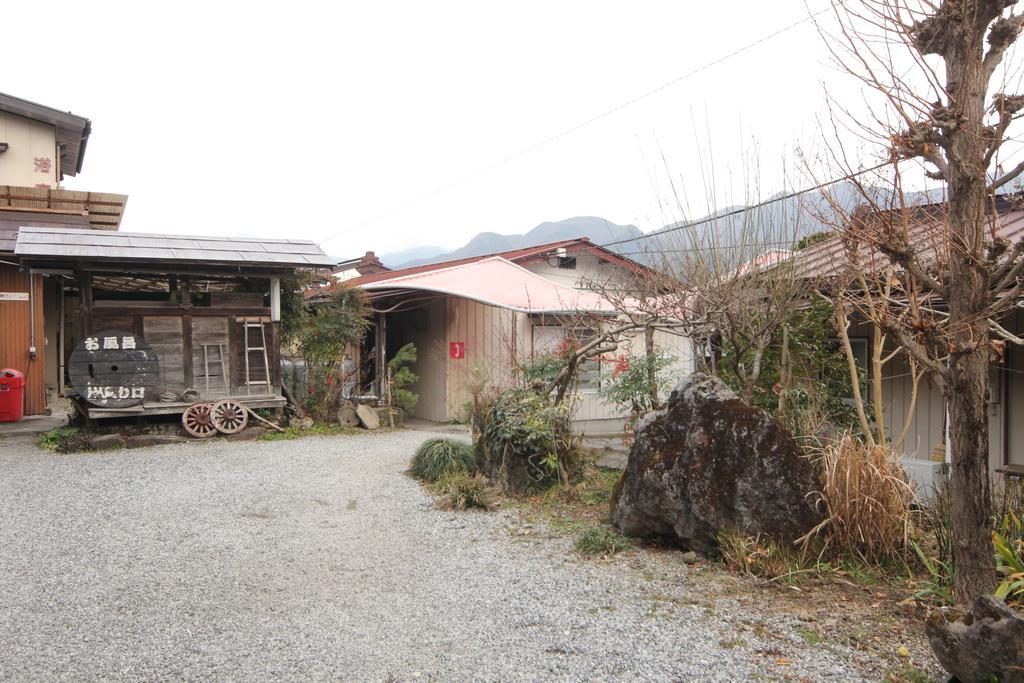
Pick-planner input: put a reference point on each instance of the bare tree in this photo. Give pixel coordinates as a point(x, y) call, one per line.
point(937, 70)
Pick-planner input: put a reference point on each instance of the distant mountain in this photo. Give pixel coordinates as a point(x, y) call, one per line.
point(396, 259)
point(736, 234)
point(729, 236)
point(597, 229)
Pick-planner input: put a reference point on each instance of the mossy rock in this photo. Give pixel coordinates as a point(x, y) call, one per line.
point(711, 462)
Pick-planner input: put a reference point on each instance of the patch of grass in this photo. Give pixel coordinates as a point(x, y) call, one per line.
point(290, 433)
point(731, 643)
point(463, 491)
point(66, 440)
point(51, 439)
point(908, 674)
point(809, 635)
point(573, 508)
point(601, 540)
point(439, 458)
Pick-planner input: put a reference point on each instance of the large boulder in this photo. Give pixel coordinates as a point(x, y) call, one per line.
point(710, 462)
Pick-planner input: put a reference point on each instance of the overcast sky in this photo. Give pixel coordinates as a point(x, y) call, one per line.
point(320, 120)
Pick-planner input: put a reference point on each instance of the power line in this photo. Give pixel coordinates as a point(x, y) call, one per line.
point(745, 209)
point(583, 124)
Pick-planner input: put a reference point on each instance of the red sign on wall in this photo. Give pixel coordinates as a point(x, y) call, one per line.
point(457, 350)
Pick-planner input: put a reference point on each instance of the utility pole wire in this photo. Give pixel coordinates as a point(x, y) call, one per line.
point(745, 209)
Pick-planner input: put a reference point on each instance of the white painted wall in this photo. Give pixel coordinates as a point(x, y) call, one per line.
point(30, 145)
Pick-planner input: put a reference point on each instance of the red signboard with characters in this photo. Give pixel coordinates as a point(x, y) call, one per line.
point(457, 350)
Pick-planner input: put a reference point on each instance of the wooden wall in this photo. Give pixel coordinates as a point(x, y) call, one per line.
point(495, 339)
point(15, 336)
point(928, 419)
point(492, 337)
point(167, 335)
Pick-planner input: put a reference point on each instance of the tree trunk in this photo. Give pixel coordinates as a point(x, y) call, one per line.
point(652, 370)
point(966, 386)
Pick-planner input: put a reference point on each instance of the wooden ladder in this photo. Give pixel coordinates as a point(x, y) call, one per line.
point(223, 367)
point(247, 325)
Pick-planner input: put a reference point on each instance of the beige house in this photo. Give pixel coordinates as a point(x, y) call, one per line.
point(39, 146)
point(485, 316)
point(924, 453)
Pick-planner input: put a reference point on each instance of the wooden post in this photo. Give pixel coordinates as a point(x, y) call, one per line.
point(275, 299)
point(85, 303)
point(185, 301)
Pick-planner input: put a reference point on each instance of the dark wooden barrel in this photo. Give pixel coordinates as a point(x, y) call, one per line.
point(114, 369)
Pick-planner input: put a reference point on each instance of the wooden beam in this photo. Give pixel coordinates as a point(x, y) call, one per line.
point(85, 303)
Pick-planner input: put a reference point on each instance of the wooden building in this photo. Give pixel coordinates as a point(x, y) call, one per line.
point(153, 323)
point(491, 314)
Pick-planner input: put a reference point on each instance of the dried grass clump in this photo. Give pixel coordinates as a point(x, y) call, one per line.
point(761, 557)
point(866, 499)
point(463, 491)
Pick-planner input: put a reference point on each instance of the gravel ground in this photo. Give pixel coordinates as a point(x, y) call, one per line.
point(318, 559)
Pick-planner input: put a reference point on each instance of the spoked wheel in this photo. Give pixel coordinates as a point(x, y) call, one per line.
point(229, 417)
point(198, 420)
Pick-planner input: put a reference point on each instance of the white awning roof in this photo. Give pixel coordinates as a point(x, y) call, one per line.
point(497, 282)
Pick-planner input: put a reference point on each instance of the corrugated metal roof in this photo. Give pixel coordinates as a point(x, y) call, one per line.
point(11, 220)
point(61, 244)
point(832, 257)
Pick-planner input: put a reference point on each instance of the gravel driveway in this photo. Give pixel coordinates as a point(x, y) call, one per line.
point(318, 559)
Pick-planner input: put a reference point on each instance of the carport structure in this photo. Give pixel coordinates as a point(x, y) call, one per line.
point(468, 320)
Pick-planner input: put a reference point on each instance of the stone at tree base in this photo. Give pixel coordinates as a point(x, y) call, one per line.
point(368, 417)
point(710, 462)
point(106, 441)
point(143, 440)
point(987, 644)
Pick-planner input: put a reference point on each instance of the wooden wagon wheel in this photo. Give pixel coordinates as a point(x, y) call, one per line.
point(198, 420)
point(229, 416)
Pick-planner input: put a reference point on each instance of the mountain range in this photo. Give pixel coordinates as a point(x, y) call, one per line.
point(733, 234)
point(598, 230)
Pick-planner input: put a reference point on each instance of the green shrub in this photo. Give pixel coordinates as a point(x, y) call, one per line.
point(525, 442)
point(439, 458)
point(401, 377)
point(601, 540)
point(464, 492)
point(323, 334)
point(630, 387)
point(1008, 539)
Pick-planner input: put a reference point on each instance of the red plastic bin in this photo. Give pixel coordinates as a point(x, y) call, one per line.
point(12, 395)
